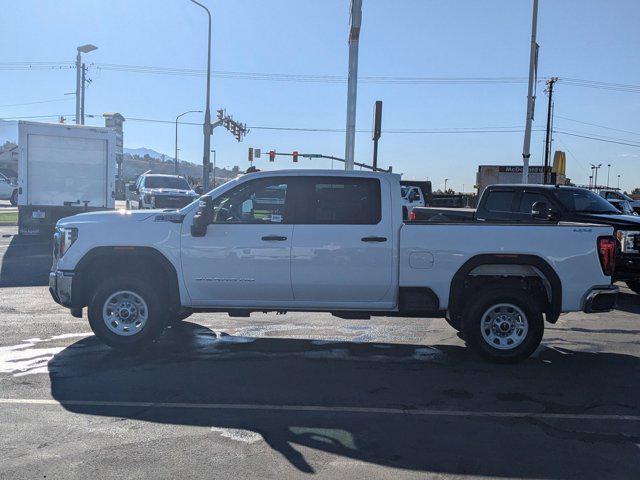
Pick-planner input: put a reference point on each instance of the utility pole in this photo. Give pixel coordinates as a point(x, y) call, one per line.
point(214, 168)
point(445, 184)
point(547, 142)
point(618, 181)
point(352, 84)
point(608, 172)
point(206, 128)
point(531, 99)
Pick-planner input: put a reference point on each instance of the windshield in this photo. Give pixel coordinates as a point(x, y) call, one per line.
point(404, 191)
point(178, 183)
point(584, 201)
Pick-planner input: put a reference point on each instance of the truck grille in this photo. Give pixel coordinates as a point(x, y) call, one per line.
point(168, 201)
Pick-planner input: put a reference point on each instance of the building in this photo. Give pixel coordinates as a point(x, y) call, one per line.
point(512, 174)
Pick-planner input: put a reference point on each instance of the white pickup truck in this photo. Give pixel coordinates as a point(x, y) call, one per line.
point(315, 240)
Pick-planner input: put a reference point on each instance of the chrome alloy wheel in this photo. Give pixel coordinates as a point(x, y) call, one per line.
point(125, 313)
point(504, 326)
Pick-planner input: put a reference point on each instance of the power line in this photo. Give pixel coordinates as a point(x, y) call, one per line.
point(315, 78)
point(598, 139)
point(36, 102)
point(598, 125)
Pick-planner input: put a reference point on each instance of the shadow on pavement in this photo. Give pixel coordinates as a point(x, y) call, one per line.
point(26, 262)
point(628, 302)
point(193, 364)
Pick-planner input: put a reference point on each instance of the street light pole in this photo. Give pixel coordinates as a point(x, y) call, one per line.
point(175, 158)
point(208, 131)
point(352, 82)
point(445, 184)
point(608, 171)
point(618, 181)
point(79, 74)
point(531, 99)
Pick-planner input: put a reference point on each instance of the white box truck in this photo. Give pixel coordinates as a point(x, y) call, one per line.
point(62, 170)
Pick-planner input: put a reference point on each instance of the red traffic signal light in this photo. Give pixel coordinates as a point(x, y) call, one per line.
point(295, 156)
point(272, 156)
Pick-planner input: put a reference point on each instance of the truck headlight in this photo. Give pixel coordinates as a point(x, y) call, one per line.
point(64, 237)
point(629, 241)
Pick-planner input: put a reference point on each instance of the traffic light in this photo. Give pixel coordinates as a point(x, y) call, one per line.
point(272, 155)
point(295, 157)
point(250, 154)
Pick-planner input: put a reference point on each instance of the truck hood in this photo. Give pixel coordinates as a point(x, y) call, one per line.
point(617, 221)
point(111, 216)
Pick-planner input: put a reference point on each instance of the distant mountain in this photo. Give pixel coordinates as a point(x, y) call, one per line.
point(142, 151)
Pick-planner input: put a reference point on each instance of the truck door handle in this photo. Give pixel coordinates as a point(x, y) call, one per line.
point(374, 239)
point(273, 238)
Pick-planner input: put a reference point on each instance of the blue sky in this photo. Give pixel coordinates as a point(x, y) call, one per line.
point(583, 39)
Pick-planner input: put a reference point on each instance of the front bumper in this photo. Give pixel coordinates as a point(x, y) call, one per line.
point(601, 299)
point(61, 287)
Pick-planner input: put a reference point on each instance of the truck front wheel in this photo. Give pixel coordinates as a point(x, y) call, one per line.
point(504, 325)
point(14, 198)
point(127, 313)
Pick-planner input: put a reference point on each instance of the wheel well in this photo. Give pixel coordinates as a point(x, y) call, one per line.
point(527, 272)
point(144, 262)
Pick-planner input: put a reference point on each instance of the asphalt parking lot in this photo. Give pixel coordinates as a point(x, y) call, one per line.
point(307, 395)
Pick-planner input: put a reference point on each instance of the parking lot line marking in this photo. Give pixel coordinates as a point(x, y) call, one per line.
point(321, 409)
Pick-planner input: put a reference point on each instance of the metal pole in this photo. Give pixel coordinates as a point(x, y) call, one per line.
point(547, 142)
point(531, 99)
point(175, 157)
point(78, 74)
point(375, 154)
point(352, 85)
point(214, 168)
point(445, 184)
point(618, 182)
point(608, 172)
point(207, 130)
point(83, 83)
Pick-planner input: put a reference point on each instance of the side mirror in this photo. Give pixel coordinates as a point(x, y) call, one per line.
point(542, 211)
point(132, 187)
point(199, 190)
point(203, 217)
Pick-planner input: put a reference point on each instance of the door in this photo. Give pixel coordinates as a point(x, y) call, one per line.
point(244, 258)
point(343, 243)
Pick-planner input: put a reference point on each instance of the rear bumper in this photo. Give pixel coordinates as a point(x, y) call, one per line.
point(601, 299)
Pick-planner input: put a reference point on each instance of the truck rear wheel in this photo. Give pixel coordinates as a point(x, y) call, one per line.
point(127, 312)
point(504, 325)
point(634, 285)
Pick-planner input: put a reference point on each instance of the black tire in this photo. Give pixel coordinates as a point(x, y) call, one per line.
point(634, 285)
point(157, 314)
point(479, 307)
point(14, 198)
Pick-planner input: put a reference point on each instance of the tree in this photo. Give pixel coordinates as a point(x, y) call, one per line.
point(635, 191)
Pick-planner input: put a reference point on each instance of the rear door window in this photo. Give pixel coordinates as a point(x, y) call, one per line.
point(339, 201)
point(500, 201)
